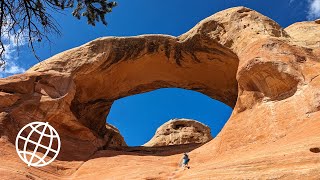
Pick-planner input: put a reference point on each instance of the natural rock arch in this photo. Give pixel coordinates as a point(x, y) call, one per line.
point(208, 68)
point(237, 56)
point(213, 73)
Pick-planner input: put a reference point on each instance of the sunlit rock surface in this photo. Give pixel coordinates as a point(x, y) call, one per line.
point(180, 131)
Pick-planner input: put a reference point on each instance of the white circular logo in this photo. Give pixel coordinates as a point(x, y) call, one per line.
point(38, 141)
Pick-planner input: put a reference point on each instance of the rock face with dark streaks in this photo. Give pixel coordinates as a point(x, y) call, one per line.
point(113, 137)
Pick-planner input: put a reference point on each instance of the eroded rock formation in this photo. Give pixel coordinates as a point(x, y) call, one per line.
point(268, 74)
point(180, 131)
point(113, 137)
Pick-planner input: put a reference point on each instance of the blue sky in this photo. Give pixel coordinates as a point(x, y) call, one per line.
point(138, 117)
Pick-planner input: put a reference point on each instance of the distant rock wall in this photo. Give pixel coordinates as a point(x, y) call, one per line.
point(180, 131)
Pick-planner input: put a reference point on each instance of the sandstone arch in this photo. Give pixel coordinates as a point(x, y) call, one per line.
point(238, 56)
point(203, 71)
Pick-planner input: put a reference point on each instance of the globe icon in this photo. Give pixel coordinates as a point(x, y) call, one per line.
point(38, 144)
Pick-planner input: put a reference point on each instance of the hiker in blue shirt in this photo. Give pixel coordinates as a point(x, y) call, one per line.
point(185, 161)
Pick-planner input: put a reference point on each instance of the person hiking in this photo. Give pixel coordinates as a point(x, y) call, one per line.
point(185, 161)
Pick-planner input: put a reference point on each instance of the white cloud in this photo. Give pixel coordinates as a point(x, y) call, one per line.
point(11, 68)
point(314, 9)
point(11, 44)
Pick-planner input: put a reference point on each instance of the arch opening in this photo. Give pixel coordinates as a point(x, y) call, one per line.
point(139, 116)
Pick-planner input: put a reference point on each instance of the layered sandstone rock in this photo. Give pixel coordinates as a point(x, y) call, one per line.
point(180, 131)
point(305, 34)
point(268, 74)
